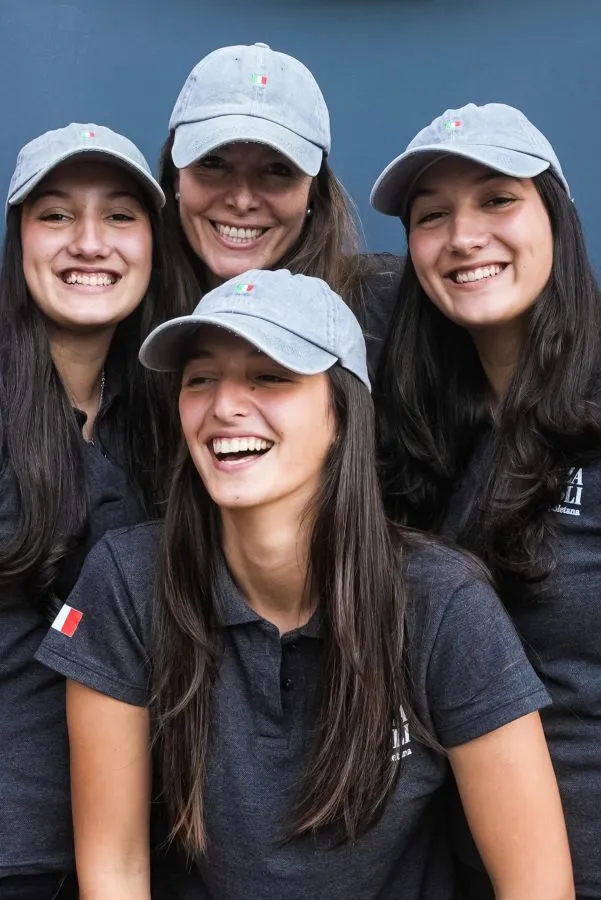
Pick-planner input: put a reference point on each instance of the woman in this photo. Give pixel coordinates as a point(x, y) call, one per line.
point(248, 185)
point(83, 281)
point(490, 411)
point(298, 661)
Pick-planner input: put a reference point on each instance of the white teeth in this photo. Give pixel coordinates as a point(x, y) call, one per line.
point(94, 279)
point(478, 274)
point(238, 445)
point(239, 235)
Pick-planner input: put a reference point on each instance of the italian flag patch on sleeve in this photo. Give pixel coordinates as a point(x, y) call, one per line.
point(67, 620)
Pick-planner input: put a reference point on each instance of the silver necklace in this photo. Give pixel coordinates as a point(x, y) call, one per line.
point(100, 399)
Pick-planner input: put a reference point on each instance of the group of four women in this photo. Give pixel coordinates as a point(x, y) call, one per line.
point(278, 675)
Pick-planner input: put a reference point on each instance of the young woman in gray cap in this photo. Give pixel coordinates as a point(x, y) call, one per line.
point(248, 185)
point(84, 277)
point(299, 662)
point(490, 408)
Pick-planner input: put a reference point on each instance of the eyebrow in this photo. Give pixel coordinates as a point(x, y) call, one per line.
point(65, 195)
point(489, 175)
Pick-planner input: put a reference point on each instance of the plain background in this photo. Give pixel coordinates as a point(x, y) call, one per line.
point(386, 67)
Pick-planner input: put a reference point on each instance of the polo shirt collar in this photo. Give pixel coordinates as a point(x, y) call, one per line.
point(232, 609)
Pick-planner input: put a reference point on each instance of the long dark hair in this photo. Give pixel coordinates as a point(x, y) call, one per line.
point(356, 571)
point(327, 248)
point(434, 405)
point(41, 439)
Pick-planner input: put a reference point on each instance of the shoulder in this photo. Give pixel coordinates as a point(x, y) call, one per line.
point(380, 276)
point(380, 279)
point(437, 569)
point(447, 587)
point(134, 550)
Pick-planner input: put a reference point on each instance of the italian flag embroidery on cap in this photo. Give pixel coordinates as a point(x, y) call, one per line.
point(87, 134)
point(67, 620)
point(260, 80)
point(244, 288)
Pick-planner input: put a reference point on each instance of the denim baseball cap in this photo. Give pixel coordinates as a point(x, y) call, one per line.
point(496, 135)
point(297, 320)
point(37, 158)
point(251, 94)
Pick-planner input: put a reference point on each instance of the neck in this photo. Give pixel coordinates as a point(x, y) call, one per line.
point(499, 351)
point(79, 360)
point(268, 557)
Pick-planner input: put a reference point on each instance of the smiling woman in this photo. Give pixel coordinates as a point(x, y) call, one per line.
point(489, 398)
point(84, 278)
point(298, 661)
point(248, 184)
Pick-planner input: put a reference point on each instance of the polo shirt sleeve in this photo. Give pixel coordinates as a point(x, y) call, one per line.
point(479, 677)
point(97, 638)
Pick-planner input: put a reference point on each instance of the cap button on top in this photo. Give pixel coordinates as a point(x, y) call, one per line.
point(261, 44)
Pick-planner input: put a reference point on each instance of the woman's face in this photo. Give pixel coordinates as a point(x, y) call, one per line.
point(87, 246)
point(242, 207)
point(480, 242)
point(258, 434)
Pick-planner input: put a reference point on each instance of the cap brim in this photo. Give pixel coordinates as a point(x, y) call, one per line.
point(163, 349)
point(151, 187)
point(195, 139)
point(391, 191)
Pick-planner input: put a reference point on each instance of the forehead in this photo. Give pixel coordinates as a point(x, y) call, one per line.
point(79, 175)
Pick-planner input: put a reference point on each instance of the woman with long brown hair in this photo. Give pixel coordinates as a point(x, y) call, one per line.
point(308, 674)
point(248, 184)
point(489, 398)
point(84, 278)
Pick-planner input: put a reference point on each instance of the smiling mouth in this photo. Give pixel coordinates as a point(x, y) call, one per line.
point(90, 279)
point(239, 449)
point(479, 273)
point(238, 235)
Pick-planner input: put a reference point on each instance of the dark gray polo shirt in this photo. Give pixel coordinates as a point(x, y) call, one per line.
point(559, 621)
point(35, 811)
point(470, 676)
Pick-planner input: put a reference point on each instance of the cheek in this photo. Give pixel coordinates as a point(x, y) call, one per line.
point(38, 248)
point(293, 206)
point(424, 252)
point(192, 411)
point(193, 197)
point(540, 237)
point(137, 250)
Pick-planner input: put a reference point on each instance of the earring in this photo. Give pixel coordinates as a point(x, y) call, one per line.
point(309, 212)
point(177, 195)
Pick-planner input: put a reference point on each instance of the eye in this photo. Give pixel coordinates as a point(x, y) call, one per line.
point(122, 217)
point(280, 169)
point(425, 217)
point(273, 378)
point(53, 217)
point(499, 201)
point(197, 380)
point(211, 161)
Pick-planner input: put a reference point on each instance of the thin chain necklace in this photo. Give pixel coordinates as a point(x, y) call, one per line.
point(100, 399)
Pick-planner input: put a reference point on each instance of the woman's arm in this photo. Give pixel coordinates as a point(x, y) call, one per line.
point(510, 796)
point(110, 785)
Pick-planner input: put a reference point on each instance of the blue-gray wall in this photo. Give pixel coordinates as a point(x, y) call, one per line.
point(386, 67)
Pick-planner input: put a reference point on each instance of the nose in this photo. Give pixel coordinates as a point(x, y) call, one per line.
point(90, 239)
point(230, 399)
point(242, 196)
point(467, 232)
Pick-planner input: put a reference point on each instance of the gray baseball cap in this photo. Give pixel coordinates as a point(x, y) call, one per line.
point(37, 158)
point(251, 94)
point(495, 135)
point(296, 320)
